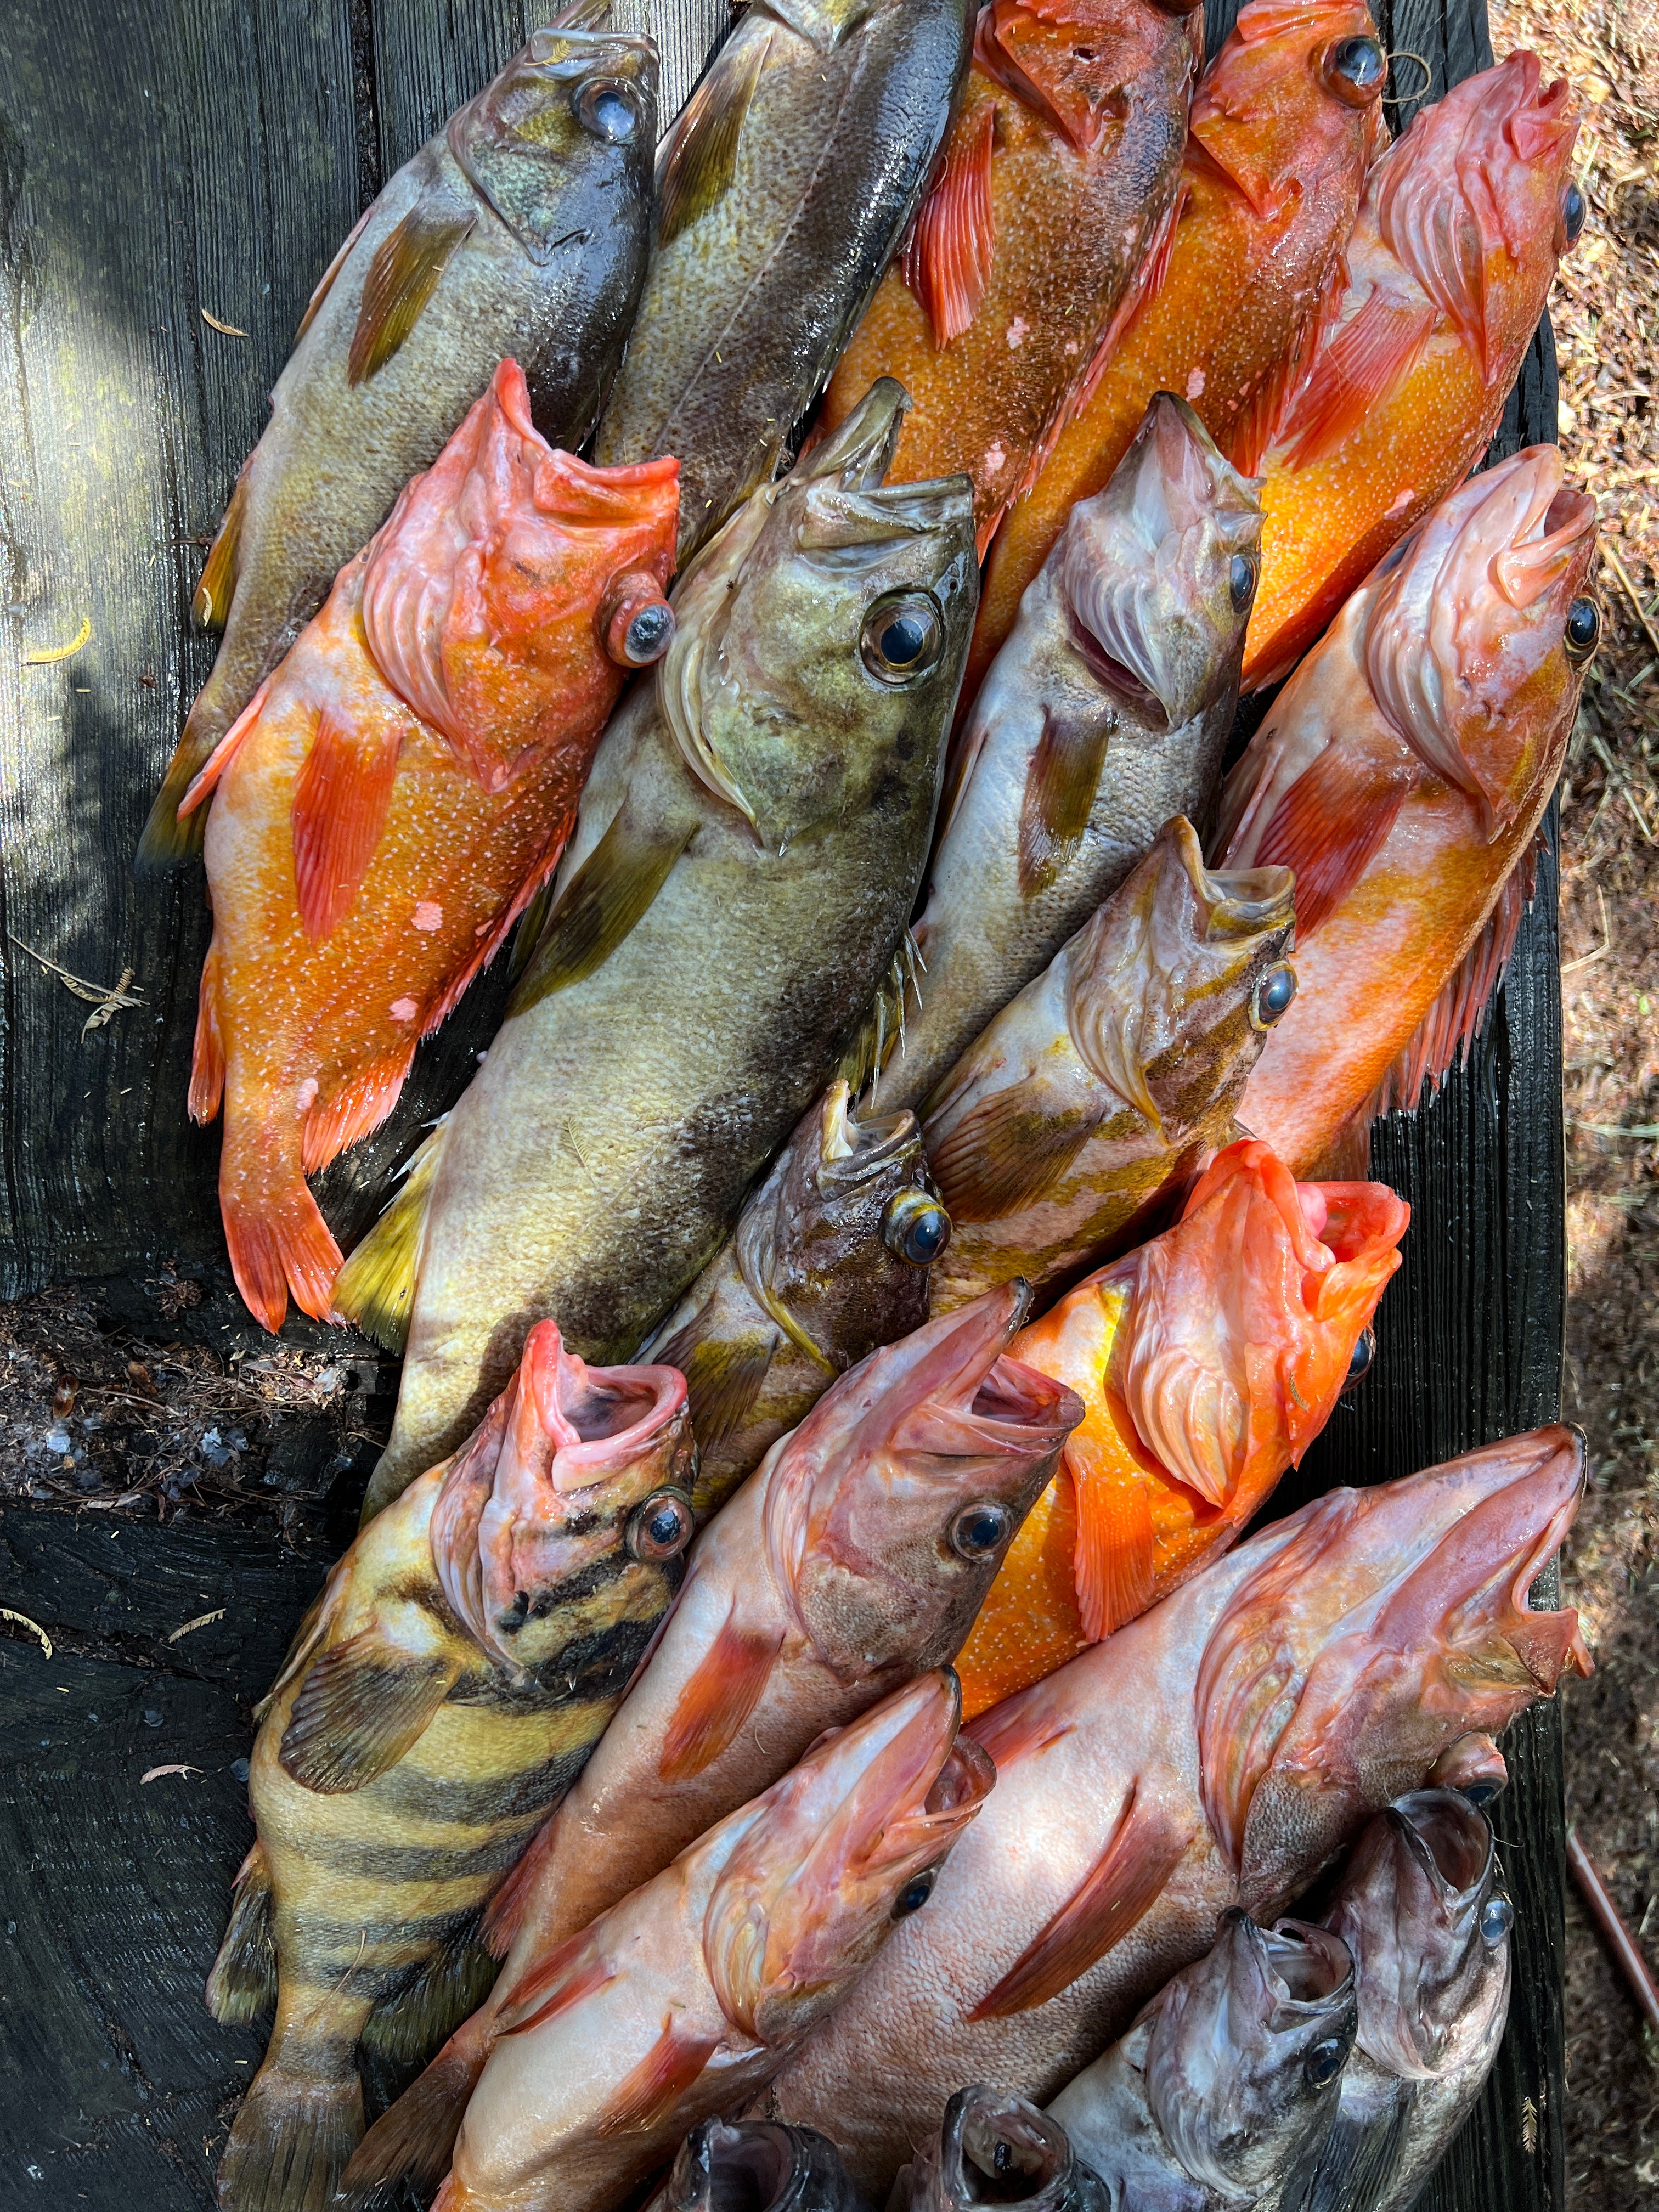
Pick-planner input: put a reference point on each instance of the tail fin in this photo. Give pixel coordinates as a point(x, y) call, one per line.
point(376, 1286)
point(279, 1240)
point(413, 2140)
point(291, 2141)
point(242, 1985)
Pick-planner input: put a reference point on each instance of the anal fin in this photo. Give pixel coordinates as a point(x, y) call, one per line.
point(360, 1707)
point(947, 258)
point(609, 894)
point(402, 277)
point(340, 802)
point(359, 1105)
point(242, 1982)
point(1060, 796)
point(717, 1698)
point(376, 1286)
point(207, 1056)
point(1330, 825)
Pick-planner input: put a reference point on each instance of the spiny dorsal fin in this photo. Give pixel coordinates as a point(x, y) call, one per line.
point(376, 1287)
point(360, 1707)
point(1009, 1149)
point(217, 583)
point(1060, 796)
point(609, 893)
point(402, 277)
point(704, 159)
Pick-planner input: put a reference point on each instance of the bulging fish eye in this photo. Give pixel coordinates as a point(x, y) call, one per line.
point(1582, 632)
point(914, 1226)
point(1324, 2061)
point(1497, 1918)
point(661, 1527)
point(1272, 996)
point(979, 1528)
point(610, 110)
point(1241, 577)
point(649, 636)
point(915, 1894)
point(1574, 209)
point(1355, 69)
point(1360, 1358)
point(903, 637)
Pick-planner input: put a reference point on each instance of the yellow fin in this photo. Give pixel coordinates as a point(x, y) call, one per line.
point(1060, 796)
point(376, 1287)
point(704, 159)
point(218, 580)
point(360, 1707)
point(242, 1985)
point(609, 894)
point(401, 279)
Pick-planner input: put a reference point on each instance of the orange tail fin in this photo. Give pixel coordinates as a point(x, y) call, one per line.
point(279, 1240)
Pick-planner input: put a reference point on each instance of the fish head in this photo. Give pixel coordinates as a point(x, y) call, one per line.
point(892, 1508)
point(1157, 572)
point(1380, 1628)
point(836, 1855)
point(821, 635)
point(564, 1522)
point(1249, 1317)
point(1480, 629)
point(1069, 61)
point(755, 2166)
point(1172, 986)
point(1420, 1908)
point(1294, 93)
point(574, 107)
point(842, 1241)
point(1477, 201)
point(996, 2148)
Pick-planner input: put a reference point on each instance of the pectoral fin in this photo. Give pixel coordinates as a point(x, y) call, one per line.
point(704, 159)
point(402, 277)
point(609, 894)
point(376, 1286)
point(1008, 1151)
point(1330, 825)
point(947, 258)
point(1113, 1563)
point(723, 1376)
point(721, 1693)
point(645, 2097)
point(340, 801)
point(360, 1707)
point(218, 578)
point(1059, 795)
point(1352, 374)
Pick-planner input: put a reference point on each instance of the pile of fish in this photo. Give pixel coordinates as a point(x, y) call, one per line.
point(803, 1726)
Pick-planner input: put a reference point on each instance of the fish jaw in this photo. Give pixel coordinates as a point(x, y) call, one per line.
point(835, 1854)
point(1271, 113)
point(1146, 568)
point(580, 1465)
point(778, 2169)
point(994, 2148)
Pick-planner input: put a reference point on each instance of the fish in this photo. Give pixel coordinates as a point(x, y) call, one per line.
point(724, 2165)
point(1285, 124)
point(1462, 222)
point(746, 857)
point(1209, 1360)
point(828, 1259)
point(522, 229)
point(1225, 2092)
point(393, 796)
point(1106, 714)
point(785, 187)
point(854, 1559)
point(1420, 1907)
point(1053, 190)
point(682, 2000)
point(1217, 1752)
point(1102, 1082)
point(1403, 773)
point(995, 2148)
point(461, 1661)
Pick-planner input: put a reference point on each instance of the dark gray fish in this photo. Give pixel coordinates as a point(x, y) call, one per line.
point(994, 2149)
point(522, 229)
point(785, 185)
point(757, 2166)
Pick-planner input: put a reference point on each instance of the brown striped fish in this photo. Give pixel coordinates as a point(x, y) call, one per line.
point(461, 1662)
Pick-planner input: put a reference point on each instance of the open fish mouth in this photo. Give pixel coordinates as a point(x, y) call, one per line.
point(854, 1149)
point(997, 2150)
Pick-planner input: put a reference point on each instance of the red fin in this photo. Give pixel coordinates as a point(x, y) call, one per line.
point(645, 2097)
point(1446, 1032)
point(534, 882)
point(1113, 1561)
point(1330, 825)
point(281, 1244)
point(360, 1105)
point(947, 256)
point(564, 1978)
point(718, 1700)
point(1126, 1882)
point(414, 2139)
point(220, 758)
point(1019, 1726)
point(207, 1058)
point(1352, 374)
point(340, 801)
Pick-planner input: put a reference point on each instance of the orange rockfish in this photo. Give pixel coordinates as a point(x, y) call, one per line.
point(1208, 1360)
point(1448, 270)
point(1402, 774)
point(1057, 178)
point(390, 798)
point(1285, 124)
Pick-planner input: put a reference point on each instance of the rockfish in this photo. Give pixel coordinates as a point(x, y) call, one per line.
point(1402, 774)
point(855, 1558)
point(786, 185)
point(687, 1996)
point(828, 1259)
point(754, 2166)
point(1106, 714)
point(1208, 1360)
point(1285, 122)
point(521, 229)
point(1214, 1753)
point(1450, 263)
point(1107, 1076)
point(1056, 182)
point(461, 1662)
point(993, 2147)
point(394, 794)
point(746, 857)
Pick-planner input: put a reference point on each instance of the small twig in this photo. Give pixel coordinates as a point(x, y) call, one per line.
point(1645, 1131)
point(49, 653)
point(174, 1767)
point(200, 1621)
point(229, 330)
point(107, 1002)
point(35, 1627)
point(1588, 958)
point(1626, 1952)
point(1610, 555)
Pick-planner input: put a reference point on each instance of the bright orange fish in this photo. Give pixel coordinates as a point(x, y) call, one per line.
point(1401, 775)
point(1058, 178)
point(1285, 124)
point(1208, 1360)
point(394, 794)
point(1461, 224)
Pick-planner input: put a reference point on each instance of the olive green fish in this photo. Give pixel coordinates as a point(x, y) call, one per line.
point(461, 1662)
point(522, 229)
point(829, 1261)
point(786, 186)
point(746, 857)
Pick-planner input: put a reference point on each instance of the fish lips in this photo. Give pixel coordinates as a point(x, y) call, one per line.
point(759, 2164)
point(995, 2148)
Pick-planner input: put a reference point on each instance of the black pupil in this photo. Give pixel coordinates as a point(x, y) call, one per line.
point(903, 640)
point(1496, 1916)
point(1360, 61)
point(1240, 581)
point(913, 1896)
point(1584, 624)
point(1323, 2061)
point(924, 1236)
point(664, 1526)
point(645, 632)
point(1277, 989)
point(979, 1530)
point(1573, 211)
point(1365, 1351)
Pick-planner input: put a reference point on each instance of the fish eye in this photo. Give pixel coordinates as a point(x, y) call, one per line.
point(1574, 209)
point(1360, 1358)
point(903, 637)
point(649, 636)
point(1242, 576)
point(609, 109)
point(1497, 1918)
point(1272, 996)
point(979, 1528)
point(661, 1527)
point(1354, 70)
point(915, 1894)
point(1324, 2061)
point(915, 1227)
point(1584, 630)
